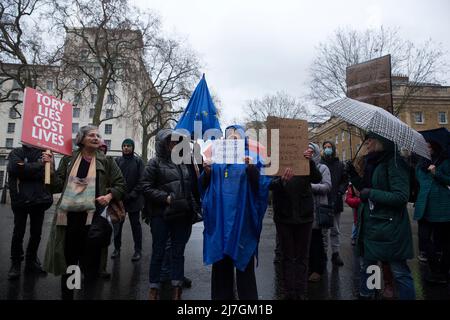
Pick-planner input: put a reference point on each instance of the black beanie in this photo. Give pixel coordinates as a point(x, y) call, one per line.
point(128, 141)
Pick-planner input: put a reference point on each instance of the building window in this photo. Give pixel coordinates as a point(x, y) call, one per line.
point(110, 99)
point(11, 127)
point(108, 128)
point(344, 153)
point(74, 146)
point(418, 117)
point(76, 112)
point(109, 113)
point(3, 161)
point(108, 144)
point(49, 85)
point(93, 98)
point(12, 113)
point(97, 71)
point(9, 143)
point(75, 127)
point(91, 112)
point(15, 85)
point(77, 98)
point(337, 139)
point(343, 136)
point(442, 116)
point(112, 85)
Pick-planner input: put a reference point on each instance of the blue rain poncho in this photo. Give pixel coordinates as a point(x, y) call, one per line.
point(233, 213)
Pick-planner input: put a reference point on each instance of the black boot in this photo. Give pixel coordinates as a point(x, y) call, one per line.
point(34, 266)
point(187, 283)
point(336, 260)
point(14, 271)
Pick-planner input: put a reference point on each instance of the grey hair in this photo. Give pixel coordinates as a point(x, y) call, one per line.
point(82, 132)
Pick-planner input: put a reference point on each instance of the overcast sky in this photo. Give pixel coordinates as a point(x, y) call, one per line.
point(255, 47)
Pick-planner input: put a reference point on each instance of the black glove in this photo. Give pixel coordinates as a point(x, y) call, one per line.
point(350, 169)
point(364, 194)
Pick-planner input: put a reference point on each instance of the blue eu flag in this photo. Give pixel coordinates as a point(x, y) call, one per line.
point(200, 108)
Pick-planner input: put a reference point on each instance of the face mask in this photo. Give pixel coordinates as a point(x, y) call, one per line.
point(328, 151)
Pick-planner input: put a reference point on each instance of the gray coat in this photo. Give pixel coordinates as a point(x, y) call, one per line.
point(320, 190)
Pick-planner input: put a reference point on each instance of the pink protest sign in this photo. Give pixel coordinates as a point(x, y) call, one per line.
point(47, 122)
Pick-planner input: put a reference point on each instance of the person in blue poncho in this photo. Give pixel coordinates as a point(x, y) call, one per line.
point(234, 202)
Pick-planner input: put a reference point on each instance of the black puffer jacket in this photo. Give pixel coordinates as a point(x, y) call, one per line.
point(132, 168)
point(26, 182)
point(339, 180)
point(163, 178)
point(293, 201)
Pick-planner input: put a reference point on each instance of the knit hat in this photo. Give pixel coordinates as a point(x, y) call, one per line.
point(129, 142)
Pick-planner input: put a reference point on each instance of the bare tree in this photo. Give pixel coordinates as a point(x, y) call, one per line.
point(172, 71)
point(25, 56)
point(105, 41)
point(421, 63)
point(279, 105)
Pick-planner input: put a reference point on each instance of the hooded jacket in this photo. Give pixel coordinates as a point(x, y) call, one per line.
point(339, 179)
point(234, 203)
point(320, 190)
point(163, 178)
point(132, 168)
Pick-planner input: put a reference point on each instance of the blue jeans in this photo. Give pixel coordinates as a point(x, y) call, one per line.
point(179, 233)
point(402, 278)
point(354, 232)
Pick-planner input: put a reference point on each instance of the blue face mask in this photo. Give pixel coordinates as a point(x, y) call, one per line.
point(328, 151)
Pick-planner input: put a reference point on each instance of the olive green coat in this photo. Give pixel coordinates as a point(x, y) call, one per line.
point(110, 179)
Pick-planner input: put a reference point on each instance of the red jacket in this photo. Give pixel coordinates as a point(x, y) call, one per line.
point(353, 201)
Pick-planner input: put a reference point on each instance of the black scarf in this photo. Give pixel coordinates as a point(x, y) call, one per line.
point(371, 161)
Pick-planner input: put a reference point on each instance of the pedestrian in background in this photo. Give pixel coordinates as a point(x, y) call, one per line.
point(29, 197)
point(132, 168)
point(338, 187)
point(317, 257)
point(433, 208)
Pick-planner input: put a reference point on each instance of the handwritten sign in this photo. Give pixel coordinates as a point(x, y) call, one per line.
point(293, 141)
point(47, 122)
point(228, 151)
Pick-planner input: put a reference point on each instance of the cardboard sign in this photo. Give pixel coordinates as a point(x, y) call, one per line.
point(228, 151)
point(293, 141)
point(370, 82)
point(47, 122)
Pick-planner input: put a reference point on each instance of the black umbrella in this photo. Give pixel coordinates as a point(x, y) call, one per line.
point(439, 135)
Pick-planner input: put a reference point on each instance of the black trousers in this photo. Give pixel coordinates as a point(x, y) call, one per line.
point(222, 281)
point(77, 251)
point(295, 240)
point(136, 230)
point(36, 214)
point(317, 257)
point(441, 240)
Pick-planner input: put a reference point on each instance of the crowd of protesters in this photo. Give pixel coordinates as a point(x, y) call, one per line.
point(232, 199)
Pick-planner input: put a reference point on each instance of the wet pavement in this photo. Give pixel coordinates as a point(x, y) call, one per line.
point(129, 279)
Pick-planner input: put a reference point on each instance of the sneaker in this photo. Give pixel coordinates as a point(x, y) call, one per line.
point(422, 257)
point(115, 254)
point(14, 271)
point(336, 260)
point(314, 277)
point(34, 266)
point(136, 256)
